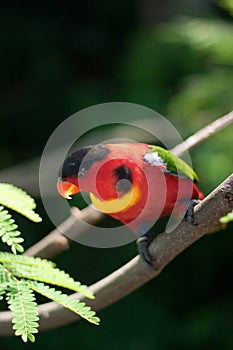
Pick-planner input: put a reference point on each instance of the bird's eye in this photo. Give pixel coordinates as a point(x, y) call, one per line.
point(81, 174)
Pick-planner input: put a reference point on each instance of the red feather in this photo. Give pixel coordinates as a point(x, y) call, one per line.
point(157, 191)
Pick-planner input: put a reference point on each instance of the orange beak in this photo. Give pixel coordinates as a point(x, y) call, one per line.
point(66, 189)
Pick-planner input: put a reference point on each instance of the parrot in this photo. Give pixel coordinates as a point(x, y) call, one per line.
point(135, 183)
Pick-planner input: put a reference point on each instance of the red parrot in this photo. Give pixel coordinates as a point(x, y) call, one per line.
point(135, 183)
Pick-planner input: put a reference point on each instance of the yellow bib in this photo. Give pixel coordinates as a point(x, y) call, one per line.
point(115, 205)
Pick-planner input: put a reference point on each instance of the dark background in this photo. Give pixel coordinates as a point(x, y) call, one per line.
point(175, 57)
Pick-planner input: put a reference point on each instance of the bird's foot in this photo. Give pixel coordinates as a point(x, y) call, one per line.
point(143, 244)
point(189, 215)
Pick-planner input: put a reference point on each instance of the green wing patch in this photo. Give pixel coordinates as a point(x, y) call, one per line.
point(173, 164)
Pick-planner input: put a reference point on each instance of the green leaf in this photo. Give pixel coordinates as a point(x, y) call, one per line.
point(8, 231)
point(21, 275)
point(21, 301)
point(18, 200)
point(5, 276)
point(8, 258)
point(5, 279)
point(74, 305)
point(52, 275)
point(227, 5)
point(41, 270)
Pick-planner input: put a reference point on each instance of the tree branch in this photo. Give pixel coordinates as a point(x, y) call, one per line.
point(55, 242)
point(203, 134)
point(135, 273)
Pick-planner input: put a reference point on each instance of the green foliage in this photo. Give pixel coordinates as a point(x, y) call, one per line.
point(227, 218)
point(18, 200)
point(22, 276)
point(6, 258)
point(41, 270)
point(206, 91)
point(209, 37)
point(203, 94)
point(74, 305)
point(8, 231)
point(227, 5)
point(21, 301)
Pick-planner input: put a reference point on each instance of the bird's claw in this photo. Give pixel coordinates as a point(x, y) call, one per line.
point(189, 215)
point(143, 244)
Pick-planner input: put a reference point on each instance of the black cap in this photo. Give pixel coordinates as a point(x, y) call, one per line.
point(72, 163)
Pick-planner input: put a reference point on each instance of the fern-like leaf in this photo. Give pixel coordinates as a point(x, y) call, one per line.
point(8, 231)
point(21, 301)
point(41, 270)
point(21, 275)
point(52, 276)
point(5, 279)
point(2, 292)
point(7, 259)
point(74, 305)
point(18, 200)
point(5, 276)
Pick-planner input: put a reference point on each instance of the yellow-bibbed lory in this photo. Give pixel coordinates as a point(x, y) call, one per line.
point(134, 183)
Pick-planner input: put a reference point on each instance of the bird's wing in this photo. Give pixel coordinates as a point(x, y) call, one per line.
point(169, 163)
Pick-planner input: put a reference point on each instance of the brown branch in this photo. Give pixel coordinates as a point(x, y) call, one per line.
point(56, 242)
point(135, 273)
point(203, 134)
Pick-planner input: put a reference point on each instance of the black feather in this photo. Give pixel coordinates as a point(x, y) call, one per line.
point(123, 173)
point(84, 157)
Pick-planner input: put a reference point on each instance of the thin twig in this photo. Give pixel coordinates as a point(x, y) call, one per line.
point(203, 134)
point(135, 273)
point(57, 241)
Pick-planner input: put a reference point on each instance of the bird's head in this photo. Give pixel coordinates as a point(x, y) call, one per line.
point(105, 172)
point(75, 173)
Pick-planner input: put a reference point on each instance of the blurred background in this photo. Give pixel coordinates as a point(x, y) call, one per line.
point(175, 57)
